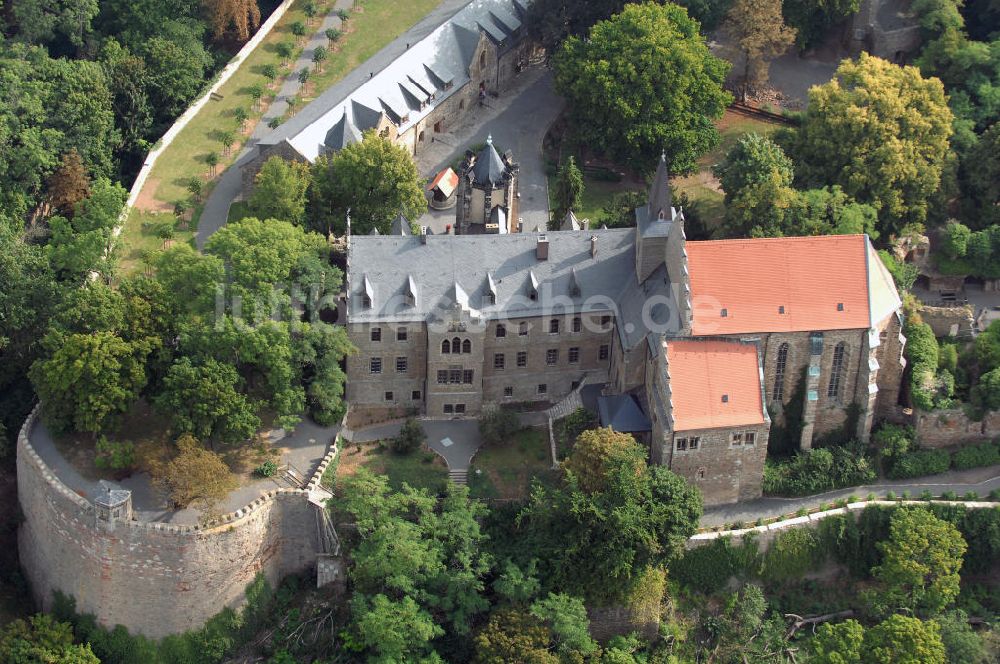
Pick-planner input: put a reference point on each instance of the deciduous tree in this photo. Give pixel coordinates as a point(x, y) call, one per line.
point(41, 639)
point(68, 184)
point(759, 33)
point(280, 191)
point(904, 640)
point(375, 179)
point(195, 476)
point(568, 189)
point(239, 18)
point(644, 82)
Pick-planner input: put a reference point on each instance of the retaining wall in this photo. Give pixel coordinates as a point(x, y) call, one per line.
point(941, 428)
point(155, 578)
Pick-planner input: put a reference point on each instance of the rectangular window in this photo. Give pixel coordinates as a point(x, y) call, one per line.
point(605, 321)
point(602, 354)
point(522, 330)
point(449, 409)
point(401, 334)
point(551, 356)
point(738, 438)
point(682, 444)
point(467, 375)
point(442, 377)
point(376, 334)
point(522, 359)
point(501, 331)
point(455, 376)
point(375, 365)
point(459, 408)
point(693, 442)
point(388, 396)
point(401, 365)
point(574, 355)
point(577, 324)
point(554, 326)
point(508, 391)
point(543, 388)
point(499, 361)
point(415, 395)
point(750, 437)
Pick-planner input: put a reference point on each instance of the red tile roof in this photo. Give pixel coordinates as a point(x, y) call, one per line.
point(702, 373)
point(788, 284)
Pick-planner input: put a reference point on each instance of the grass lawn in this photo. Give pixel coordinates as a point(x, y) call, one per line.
point(507, 469)
point(422, 469)
point(140, 238)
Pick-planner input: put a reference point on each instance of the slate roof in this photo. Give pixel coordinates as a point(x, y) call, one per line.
point(400, 226)
point(789, 284)
point(489, 168)
point(714, 384)
point(622, 413)
point(406, 90)
point(656, 217)
point(478, 264)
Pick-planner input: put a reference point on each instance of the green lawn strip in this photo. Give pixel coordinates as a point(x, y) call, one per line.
point(421, 469)
point(185, 156)
point(507, 469)
point(369, 30)
point(141, 236)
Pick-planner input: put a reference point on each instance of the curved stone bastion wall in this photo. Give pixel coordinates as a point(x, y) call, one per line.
point(155, 579)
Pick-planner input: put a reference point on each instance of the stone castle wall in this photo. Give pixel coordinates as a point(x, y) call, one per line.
point(155, 579)
point(942, 428)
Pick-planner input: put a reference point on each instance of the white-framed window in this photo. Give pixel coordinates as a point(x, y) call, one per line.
point(574, 355)
point(375, 365)
point(376, 334)
point(402, 364)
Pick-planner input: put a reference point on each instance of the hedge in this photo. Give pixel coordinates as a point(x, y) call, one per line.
point(819, 470)
point(919, 463)
point(976, 456)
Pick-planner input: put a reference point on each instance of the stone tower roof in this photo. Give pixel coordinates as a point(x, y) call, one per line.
point(489, 168)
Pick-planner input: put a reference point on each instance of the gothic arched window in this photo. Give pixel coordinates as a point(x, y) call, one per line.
point(779, 373)
point(837, 370)
point(446, 347)
point(466, 346)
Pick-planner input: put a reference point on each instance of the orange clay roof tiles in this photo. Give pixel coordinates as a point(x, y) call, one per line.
point(702, 372)
point(788, 284)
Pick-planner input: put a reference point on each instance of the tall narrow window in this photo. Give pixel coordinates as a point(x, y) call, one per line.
point(446, 347)
point(836, 370)
point(779, 373)
point(466, 346)
point(456, 345)
point(501, 331)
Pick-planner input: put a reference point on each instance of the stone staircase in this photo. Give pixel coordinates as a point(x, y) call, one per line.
point(568, 404)
point(459, 476)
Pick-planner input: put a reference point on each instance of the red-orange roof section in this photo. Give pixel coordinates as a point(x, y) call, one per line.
point(789, 284)
point(714, 384)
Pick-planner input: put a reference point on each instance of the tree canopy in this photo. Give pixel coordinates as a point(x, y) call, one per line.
point(642, 83)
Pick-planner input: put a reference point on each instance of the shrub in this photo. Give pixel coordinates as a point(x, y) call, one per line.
point(497, 425)
point(411, 436)
point(793, 553)
point(114, 456)
point(266, 469)
point(819, 470)
point(949, 495)
point(919, 463)
point(926, 495)
point(708, 568)
point(890, 495)
point(976, 456)
point(970, 495)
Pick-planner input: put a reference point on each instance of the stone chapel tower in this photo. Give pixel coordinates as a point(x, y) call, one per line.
point(487, 193)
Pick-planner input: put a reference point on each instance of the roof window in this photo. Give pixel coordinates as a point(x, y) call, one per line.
point(840, 306)
point(725, 313)
point(725, 398)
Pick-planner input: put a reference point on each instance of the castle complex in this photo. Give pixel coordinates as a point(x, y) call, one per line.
point(714, 340)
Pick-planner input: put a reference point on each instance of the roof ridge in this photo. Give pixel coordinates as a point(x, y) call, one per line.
point(786, 238)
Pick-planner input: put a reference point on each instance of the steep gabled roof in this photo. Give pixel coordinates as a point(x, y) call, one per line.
point(400, 226)
point(789, 284)
point(489, 168)
point(714, 384)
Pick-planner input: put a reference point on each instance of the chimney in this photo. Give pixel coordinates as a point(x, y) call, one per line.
point(593, 246)
point(542, 248)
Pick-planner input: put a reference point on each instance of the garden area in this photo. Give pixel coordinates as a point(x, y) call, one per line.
point(402, 460)
point(506, 470)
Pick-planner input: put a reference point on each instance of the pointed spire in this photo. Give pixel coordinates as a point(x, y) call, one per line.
point(660, 197)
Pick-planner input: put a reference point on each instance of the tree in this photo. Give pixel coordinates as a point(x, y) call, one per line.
point(227, 139)
point(904, 640)
point(298, 29)
point(961, 644)
point(203, 400)
point(270, 72)
point(240, 18)
point(375, 179)
point(599, 452)
point(87, 242)
point(69, 184)
point(280, 191)
point(191, 278)
point(256, 92)
point(284, 51)
point(619, 212)
point(194, 477)
point(88, 379)
point(176, 63)
point(320, 55)
point(987, 392)
point(241, 116)
point(303, 76)
point(42, 21)
point(838, 643)
point(310, 11)
point(813, 19)
point(398, 631)
point(920, 562)
point(321, 349)
point(644, 82)
point(955, 239)
point(881, 132)
point(128, 80)
point(332, 36)
point(566, 617)
point(212, 159)
point(41, 639)
point(497, 425)
point(760, 35)
point(411, 437)
point(568, 188)
point(514, 635)
point(752, 160)
point(981, 178)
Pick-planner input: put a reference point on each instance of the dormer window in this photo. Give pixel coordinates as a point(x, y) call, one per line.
point(725, 313)
point(725, 398)
point(367, 292)
point(532, 287)
point(840, 306)
point(781, 309)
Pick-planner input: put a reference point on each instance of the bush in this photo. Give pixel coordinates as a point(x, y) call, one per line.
point(919, 463)
point(793, 553)
point(411, 437)
point(497, 425)
point(569, 428)
point(976, 456)
point(819, 470)
point(266, 469)
point(114, 456)
point(708, 568)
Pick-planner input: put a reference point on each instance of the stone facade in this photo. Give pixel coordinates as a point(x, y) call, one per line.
point(154, 578)
point(885, 28)
point(953, 427)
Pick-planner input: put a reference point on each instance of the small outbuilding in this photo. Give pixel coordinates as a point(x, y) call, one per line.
point(442, 189)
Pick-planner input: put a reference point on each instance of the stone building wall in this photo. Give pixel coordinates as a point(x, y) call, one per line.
point(155, 579)
point(725, 473)
point(367, 389)
point(943, 428)
point(947, 321)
